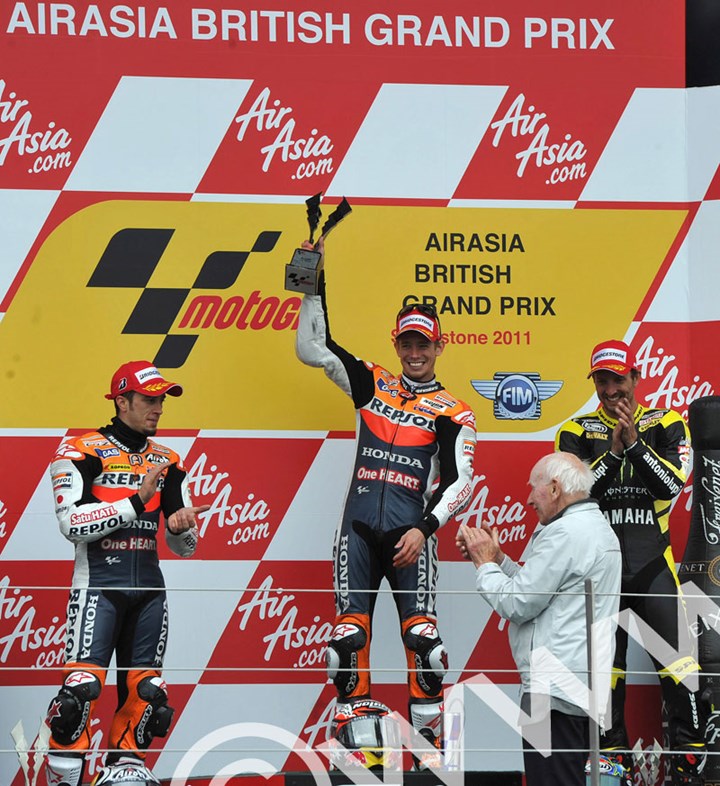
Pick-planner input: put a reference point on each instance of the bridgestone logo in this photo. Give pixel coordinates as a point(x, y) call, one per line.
point(148, 373)
point(609, 354)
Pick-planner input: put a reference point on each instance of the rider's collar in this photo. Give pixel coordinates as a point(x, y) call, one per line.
point(610, 421)
point(420, 387)
point(125, 437)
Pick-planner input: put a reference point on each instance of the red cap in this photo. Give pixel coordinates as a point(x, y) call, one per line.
point(142, 377)
point(419, 322)
point(612, 356)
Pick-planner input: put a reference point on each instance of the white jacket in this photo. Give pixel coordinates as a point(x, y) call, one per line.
point(544, 600)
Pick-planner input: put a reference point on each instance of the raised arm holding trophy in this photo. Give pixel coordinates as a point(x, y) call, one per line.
point(302, 274)
point(411, 433)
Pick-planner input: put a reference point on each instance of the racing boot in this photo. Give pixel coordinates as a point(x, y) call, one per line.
point(686, 768)
point(429, 760)
point(127, 770)
point(426, 716)
point(614, 768)
point(64, 769)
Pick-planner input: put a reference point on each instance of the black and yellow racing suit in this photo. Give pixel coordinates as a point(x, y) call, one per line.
point(635, 492)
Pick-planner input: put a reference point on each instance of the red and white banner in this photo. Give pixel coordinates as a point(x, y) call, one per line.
point(543, 177)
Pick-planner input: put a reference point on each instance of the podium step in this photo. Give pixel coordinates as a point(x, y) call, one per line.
point(411, 778)
point(340, 779)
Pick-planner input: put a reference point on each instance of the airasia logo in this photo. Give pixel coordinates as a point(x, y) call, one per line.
point(244, 521)
point(508, 516)
point(311, 151)
point(560, 156)
point(306, 642)
point(19, 133)
point(662, 379)
point(20, 633)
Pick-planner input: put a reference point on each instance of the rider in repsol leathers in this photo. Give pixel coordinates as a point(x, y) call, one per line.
point(110, 487)
point(411, 434)
point(640, 459)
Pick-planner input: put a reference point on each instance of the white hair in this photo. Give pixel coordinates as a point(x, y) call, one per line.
point(572, 474)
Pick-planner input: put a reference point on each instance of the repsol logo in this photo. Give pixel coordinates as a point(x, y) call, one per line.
point(399, 416)
point(120, 479)
point(106, 525)
point(158, 307)
point(73, 609)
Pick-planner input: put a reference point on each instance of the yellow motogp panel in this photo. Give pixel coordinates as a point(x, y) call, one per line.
point(519, 291)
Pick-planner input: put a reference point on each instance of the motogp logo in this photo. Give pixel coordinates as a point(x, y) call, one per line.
point(157, 307)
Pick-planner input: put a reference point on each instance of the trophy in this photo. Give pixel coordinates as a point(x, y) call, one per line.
point(302, 274)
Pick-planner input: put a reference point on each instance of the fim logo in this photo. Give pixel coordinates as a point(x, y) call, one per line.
point(516, 396)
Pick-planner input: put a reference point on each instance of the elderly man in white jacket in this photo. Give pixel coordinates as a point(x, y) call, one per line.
point(544, 600)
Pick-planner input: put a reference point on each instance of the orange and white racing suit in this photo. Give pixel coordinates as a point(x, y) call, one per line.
point(117, 602)
point(413, 468)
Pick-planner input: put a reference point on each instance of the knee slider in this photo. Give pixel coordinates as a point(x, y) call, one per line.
point(157, 716)
point(341, 655)
point(430, 655)
point(69, 710)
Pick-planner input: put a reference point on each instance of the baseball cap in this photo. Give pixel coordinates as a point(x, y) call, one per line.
point(614, 356)
point(419, 318)
point(142, 377)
